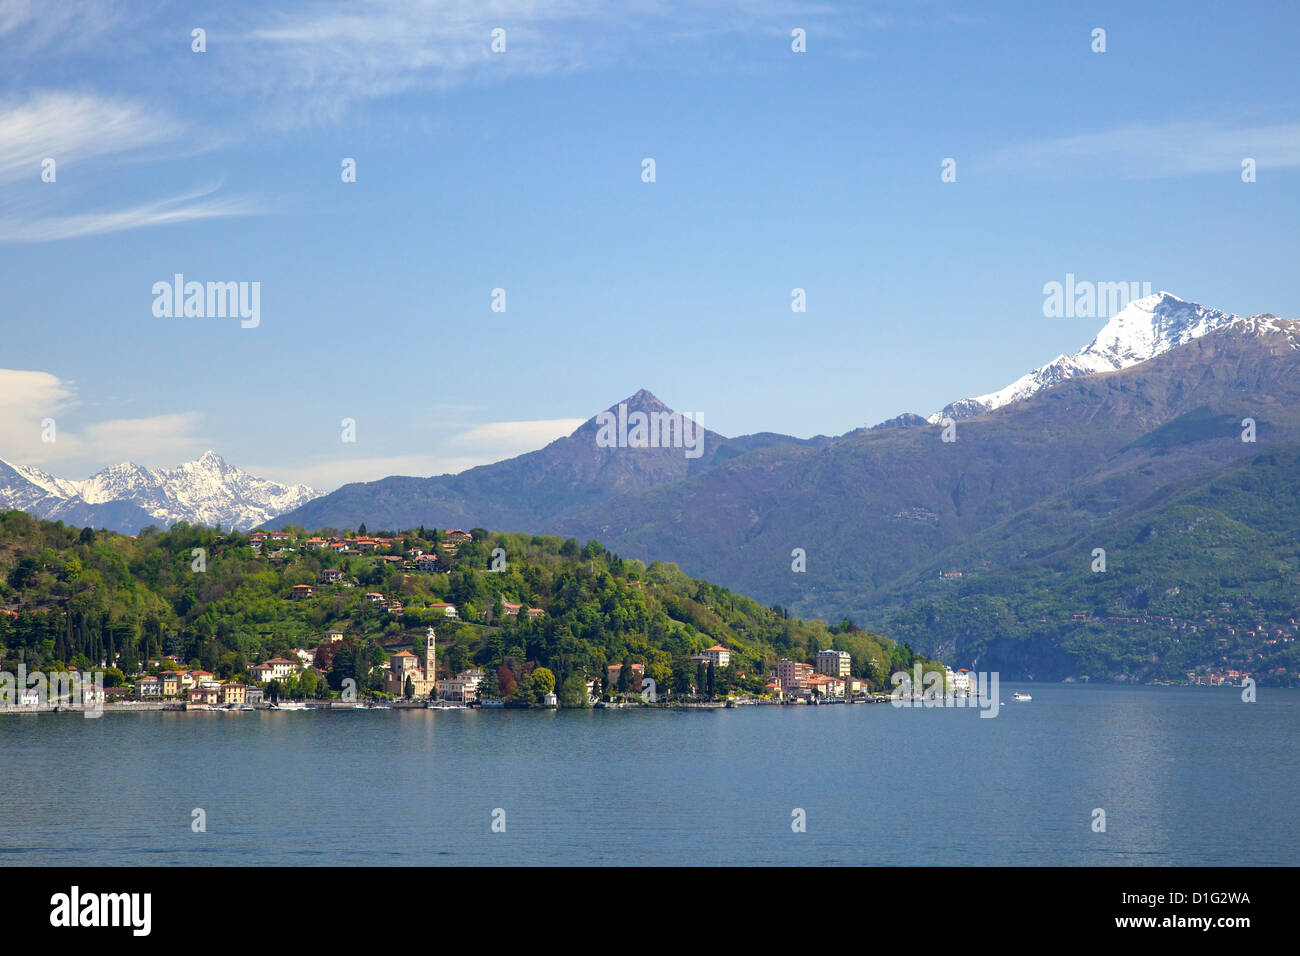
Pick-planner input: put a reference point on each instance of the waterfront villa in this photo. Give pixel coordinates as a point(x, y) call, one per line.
point(277, 668)
point(825, 686)
point(463, 688)
point(208, 692)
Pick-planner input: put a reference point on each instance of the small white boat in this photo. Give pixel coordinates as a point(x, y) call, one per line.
point(289, 705)
point(1019, 696)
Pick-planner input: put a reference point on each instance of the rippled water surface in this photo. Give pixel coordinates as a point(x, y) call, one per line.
point(1185, 776)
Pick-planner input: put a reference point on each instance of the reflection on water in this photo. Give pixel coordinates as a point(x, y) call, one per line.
point(1185, 775)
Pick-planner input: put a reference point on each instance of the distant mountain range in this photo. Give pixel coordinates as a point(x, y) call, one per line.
point(564, 484)
point(128, 497)
point(977, 549)
point(1103, 449)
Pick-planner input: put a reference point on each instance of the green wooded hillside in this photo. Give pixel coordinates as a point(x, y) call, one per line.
point(82, 598)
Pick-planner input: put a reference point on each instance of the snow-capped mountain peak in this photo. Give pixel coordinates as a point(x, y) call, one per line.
point(1143, 329)
point(209, 461)
point(1148, 327)
point(43, 481)
point(207, 491)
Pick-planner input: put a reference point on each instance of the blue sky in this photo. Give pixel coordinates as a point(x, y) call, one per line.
point(522, 170)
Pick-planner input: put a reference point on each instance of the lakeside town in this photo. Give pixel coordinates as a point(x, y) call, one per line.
point(426, 617)
point(294, 620)
point(407, 681)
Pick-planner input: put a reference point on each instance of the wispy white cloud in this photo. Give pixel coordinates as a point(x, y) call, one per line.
point(331, 474)
point(311, 61)
point(475, 445)
point(161, 212)
point(78, 129)
point(507, 439)
point(1153, 151)
point(320, 58)
point(36, 25)
point(24, 389)
point(74, 127)
point(154, 440)
point(31, 399)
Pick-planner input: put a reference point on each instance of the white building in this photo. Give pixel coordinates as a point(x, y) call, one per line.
point(718, 656)
point(277, 668)
point(458, 689)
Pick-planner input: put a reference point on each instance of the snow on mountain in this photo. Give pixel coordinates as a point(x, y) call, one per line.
point(1143, 329)
point(46, 483)
point(204, 491)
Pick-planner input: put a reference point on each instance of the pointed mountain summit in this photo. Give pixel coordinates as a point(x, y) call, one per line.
point(642, 400)
point(1143, 329)
point(648, 425)
point(536, 489)
point(209, 461)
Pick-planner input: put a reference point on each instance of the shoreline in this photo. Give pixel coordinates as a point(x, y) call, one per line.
point(128, 707)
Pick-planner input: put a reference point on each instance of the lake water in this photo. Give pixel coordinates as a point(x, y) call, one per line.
point(1185, 776)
